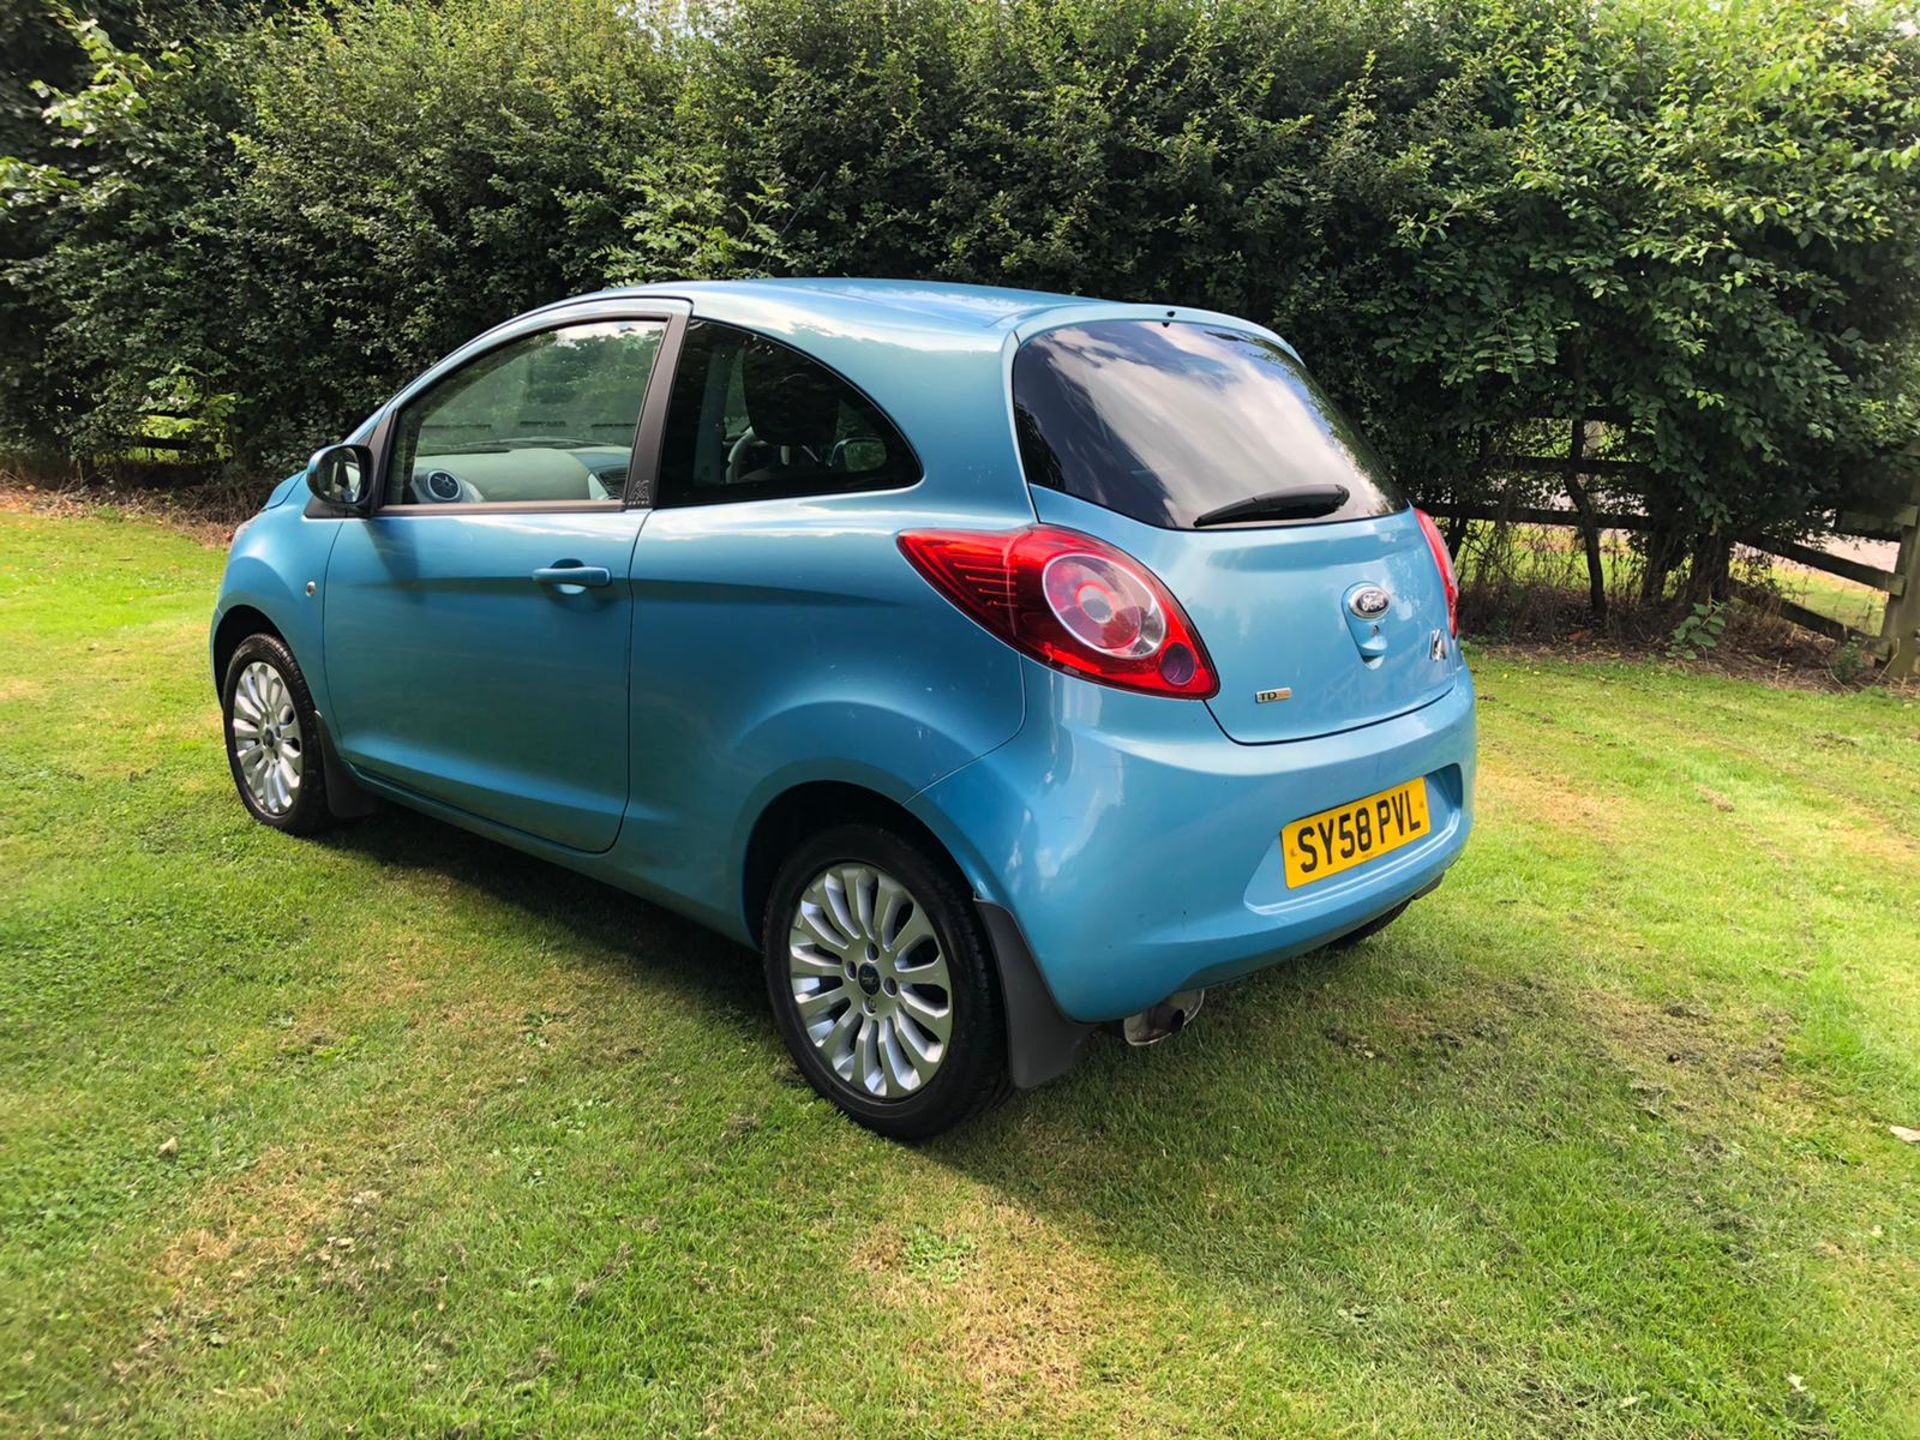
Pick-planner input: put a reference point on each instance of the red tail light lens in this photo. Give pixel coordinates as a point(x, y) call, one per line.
point(1443, 560)
point(1070, 601)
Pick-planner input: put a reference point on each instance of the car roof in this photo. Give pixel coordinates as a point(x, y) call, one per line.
point(934, 356)
point(857, 304)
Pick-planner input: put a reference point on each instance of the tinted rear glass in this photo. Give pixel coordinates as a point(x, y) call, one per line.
point(753, 419)
point(1168, 423)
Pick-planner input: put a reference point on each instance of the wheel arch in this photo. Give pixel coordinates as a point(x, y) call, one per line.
point(1041, 1041)
point(346, 799)
point(240, 621)
point(806, 809)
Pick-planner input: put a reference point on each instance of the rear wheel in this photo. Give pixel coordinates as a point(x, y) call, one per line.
point(882, 984)
point(273, 737)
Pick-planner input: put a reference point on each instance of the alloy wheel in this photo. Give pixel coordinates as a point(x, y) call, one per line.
point(870, 980)
point(267, 742)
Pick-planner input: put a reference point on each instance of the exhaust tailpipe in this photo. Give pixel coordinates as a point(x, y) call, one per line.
point(1155, 1023)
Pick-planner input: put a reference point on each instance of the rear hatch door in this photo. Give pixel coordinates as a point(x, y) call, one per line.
point(1275, 609)
point(1200, 445)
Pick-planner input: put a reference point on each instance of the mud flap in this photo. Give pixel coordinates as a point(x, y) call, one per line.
point(1042, 1044)
point(345, 799)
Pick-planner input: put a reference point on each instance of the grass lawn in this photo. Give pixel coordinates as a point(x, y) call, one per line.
point(402, 1131)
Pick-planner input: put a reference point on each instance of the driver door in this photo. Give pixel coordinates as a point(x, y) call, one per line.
point(477, 624)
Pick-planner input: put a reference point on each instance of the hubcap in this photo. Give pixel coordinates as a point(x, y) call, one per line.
point(266, 738)
point(870, 981)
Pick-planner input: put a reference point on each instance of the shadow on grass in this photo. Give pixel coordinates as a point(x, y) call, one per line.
point(1312, 1071)
point(1116, 1099)
point(1114, 1089)
point(601, 925)
point(605, 924)
point(1408, 1132)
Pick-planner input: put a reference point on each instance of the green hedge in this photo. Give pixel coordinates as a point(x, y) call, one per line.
point(1696, 221)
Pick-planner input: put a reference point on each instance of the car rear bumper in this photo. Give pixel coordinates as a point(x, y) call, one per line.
point(1139, 849)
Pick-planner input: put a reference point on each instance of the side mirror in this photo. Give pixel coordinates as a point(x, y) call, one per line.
point(342, 476)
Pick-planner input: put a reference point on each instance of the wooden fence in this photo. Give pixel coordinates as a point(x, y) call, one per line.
point(1897, 645)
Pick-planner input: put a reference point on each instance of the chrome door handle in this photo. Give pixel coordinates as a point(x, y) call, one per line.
point(573, 576)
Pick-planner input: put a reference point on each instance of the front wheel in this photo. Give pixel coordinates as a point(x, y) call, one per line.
point(881, 982)
point(273, 737)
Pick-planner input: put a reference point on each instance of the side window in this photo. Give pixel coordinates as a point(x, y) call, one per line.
point(548, 417)
point(752, 419)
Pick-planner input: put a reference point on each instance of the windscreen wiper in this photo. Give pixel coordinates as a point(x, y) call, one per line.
point(1302, 502)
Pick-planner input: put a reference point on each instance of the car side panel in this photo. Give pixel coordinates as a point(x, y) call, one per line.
point(457, 676)
point(778, 642)
point(267, 570)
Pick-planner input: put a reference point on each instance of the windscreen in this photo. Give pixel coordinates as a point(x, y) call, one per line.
point(1176, 424)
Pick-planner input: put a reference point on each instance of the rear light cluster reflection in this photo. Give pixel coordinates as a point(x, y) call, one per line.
point(1443, 560)
point(1069, 601)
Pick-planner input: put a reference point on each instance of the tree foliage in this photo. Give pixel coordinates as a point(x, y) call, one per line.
point(1695, 219)
point(1693, 222)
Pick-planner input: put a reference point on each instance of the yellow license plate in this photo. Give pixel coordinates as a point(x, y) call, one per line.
point(1354, 833)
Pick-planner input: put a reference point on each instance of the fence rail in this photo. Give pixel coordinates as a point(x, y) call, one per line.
point(1897, 645)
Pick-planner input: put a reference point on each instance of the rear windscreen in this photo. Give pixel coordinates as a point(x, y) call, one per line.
point(1170, 423)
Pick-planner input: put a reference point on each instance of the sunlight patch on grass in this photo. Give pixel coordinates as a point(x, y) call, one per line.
point(1594, 1141)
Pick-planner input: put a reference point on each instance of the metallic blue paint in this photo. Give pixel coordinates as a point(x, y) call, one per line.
point(1234, 583)
point(782, 642)
point(455, 674)
point(273, 557)
point(1140, 849)
point(638, 731)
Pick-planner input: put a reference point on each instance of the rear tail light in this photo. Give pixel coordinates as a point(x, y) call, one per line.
point(1443, 560)
point(1069, 601)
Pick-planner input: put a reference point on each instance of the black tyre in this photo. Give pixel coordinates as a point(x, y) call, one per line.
point(273, 737)
point(882, 984)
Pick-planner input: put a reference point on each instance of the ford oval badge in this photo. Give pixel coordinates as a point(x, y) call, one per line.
point(1370, 602)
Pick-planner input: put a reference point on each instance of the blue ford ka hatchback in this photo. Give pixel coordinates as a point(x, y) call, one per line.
point(1000, 664)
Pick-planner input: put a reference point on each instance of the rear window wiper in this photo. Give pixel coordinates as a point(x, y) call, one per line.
point(1302, 502)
